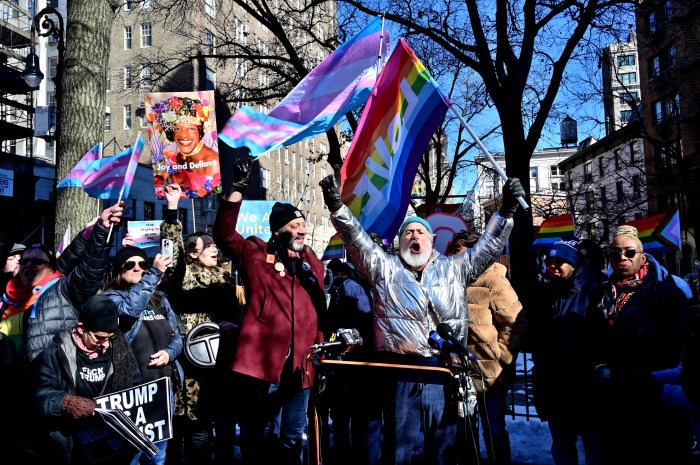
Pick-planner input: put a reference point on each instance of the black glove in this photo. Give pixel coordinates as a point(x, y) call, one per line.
point(511, 191)
point(241, 174)
point(78, 407)
point(331, 192)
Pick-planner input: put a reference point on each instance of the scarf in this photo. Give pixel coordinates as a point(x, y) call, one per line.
point(18, 298)
point(620, 292)
point(80, 345)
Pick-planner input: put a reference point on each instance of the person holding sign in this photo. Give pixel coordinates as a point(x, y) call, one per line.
point(147, 320)
point(201, 291)
point(89, 360)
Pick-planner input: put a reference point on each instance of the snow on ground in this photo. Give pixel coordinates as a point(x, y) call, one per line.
point(530, 442)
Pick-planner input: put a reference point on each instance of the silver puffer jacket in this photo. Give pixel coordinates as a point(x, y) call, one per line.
point(406, 309)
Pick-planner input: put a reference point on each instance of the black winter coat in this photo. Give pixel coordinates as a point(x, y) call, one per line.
point(568, 334)
point(54, 371)
point(58, 306)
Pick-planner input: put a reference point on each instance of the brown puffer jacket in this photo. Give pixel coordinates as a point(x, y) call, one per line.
point(496, 325)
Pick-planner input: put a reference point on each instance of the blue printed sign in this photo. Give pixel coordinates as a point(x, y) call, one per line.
point(254, 218)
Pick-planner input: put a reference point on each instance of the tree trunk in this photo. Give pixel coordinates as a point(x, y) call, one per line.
point(81, 104)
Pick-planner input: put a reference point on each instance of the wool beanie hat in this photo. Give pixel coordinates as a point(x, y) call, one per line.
point(567, 250)
point(126, 253)
point(99, 313)
point(415, 219)
point(283, 213)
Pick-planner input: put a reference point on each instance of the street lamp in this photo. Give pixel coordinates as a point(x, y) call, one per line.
point(47, 23)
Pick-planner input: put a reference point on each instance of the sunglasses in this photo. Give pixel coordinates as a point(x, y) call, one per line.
point(33, 261)
point(554, 260)
point(100, 339)
point(130, 265)
point(617, 254)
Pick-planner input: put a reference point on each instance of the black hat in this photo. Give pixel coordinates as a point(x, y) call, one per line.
point(283, 213)
point(100, 313)
point(126, 253)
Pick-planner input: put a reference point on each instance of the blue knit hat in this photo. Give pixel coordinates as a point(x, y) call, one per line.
point(415, 219)
point(567, 250)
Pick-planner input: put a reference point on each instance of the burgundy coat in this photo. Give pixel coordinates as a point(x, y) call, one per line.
point(267, 325)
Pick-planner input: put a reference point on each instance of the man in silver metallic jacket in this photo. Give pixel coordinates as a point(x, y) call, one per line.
point(413, 292)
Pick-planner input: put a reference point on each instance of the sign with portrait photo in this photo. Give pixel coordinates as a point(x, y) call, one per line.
point(183, 139)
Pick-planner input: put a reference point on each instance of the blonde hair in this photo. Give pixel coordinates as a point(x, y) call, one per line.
point(628, 231)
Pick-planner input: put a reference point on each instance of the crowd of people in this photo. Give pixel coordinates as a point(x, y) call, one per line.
point(610, 330)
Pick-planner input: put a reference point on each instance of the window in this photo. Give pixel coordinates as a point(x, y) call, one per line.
point(657, 113)
point(655, 67)
point(209, 7)
point(651, 23)
point(209, 42)
point(241, 32)
point(127, 77)
point(265, 178)
point(149, 211)
point(108, 119)
point(109, 81)
point(209, 79)
point(620, 191)
point(127, 37)
point(555, 170)
point(147, 4)
point(141, 112)
point(127, 116)
point(241, 67)
point(146, 73)
point(286, 156)
point(636, 186)
point(633, 154)
point(626, 116)
point(616, 159)
point(53, 67)
point(590, 200)
point(628, 78)
point(588, 172)
point(603, 197)
point(671, 54)
point(601, 167)
point(626, 60)
point(668, 10)
point(324, 173)
point(145, 35)
point(629, 98)
point(128, 5)
point(263, 79)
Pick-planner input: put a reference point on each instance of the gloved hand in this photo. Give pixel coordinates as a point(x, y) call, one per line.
point(78, 407)
point(511, 190)
point(241, 174)
point(331, 192)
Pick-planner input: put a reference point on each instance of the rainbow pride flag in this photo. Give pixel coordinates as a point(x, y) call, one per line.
point(659, 233)
point(334, 249)
point(339, 84)
point(111, 177)
point(72, 179)
point(552, 229)
point(405, 108)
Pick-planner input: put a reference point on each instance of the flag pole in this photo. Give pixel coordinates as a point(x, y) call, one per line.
point(486, 153)
point(111, 225)
point(194, 222)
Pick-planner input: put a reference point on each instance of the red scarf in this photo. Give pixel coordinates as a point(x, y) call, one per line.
point(18, 298)
point(621, 291)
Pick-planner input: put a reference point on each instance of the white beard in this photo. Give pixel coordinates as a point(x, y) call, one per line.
point(416, 260)
point(294, 246)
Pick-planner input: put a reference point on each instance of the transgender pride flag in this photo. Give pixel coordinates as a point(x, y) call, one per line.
point(64, 242)
point(72, 179)
point(405, 108)
point(111, 177)
point(339, 84)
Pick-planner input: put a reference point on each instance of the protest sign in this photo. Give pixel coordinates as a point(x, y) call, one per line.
point(145, 233)
point(101, 442)
point(254, 218)
point(148, 405)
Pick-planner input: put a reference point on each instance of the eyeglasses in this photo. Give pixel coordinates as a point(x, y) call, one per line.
point(130, 265)
point(554, 261)
point(100, 339)
point(617, 254)
point(33, 261)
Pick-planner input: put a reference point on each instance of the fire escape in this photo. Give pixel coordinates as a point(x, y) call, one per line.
point(16, 108)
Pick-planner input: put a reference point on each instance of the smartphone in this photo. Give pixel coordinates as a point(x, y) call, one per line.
point(166, 249)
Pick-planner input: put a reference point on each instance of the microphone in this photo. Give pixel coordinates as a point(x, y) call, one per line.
point(345, 339)
point(445, 331)
point(435, 341)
